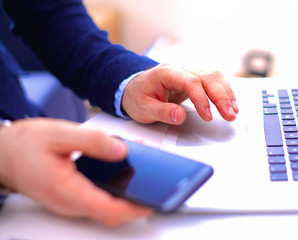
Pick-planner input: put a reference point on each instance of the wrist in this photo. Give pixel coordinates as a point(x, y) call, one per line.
point(120, 111)
point(4, 192)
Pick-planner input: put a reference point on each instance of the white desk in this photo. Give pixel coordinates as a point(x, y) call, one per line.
point(22, 218)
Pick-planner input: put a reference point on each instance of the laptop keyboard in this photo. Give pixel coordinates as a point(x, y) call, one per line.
point(280, 114)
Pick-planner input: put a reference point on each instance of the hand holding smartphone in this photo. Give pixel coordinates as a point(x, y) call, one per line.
point(148, 176)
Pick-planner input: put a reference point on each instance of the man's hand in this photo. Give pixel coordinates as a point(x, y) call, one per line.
point(35, 161)
point(155, 95)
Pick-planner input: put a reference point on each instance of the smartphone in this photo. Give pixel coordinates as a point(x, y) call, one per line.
point(148, 176)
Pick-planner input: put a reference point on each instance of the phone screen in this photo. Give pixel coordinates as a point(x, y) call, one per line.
point(148, 176)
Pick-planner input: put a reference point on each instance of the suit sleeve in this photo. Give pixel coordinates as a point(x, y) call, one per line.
point(70, 45)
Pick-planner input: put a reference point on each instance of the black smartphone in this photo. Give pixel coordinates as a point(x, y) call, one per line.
point(148, 176)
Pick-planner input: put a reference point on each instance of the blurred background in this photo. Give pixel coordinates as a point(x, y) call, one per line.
point(201, 34)
point(247, 38)
point(210, 34)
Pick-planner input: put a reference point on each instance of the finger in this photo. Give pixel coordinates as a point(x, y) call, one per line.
point(117, 211)
point(78, 197)
point(231, 95)
point(181, 80)
point(220, 93)
point(67, 138)
point(215, 75)
point(165, 112)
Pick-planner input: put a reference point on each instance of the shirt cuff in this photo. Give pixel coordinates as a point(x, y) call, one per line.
point(119, 95)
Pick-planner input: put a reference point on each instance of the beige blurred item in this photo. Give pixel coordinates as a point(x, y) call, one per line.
point(257, 63)
point(107, 19)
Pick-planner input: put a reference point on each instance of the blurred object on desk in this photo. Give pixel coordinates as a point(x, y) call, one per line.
point(107, 19)
point(257, 63)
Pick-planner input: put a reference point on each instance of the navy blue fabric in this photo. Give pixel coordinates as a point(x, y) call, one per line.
point(70, 45)
point(13, 103)
point(22, 53)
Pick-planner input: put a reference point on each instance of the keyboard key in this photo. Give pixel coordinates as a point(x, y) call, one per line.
point(277, 168)
point(293, 150)
point(285, 106)
point(283, 93)
point(295, 98)
point(292, 142)
point(266, 95)
point(279, 177)
point(270, 111)
point(272, 131)
point(268, 105)
point(290, 129)
point(287, 117)
point(284, 100)
point(294, 165)
point(293, 157)
point(276, 151)
point(295, 92)
point(295, 175)
point(276, 160)
point(293, 135)
point(288, 123)
point(286, 111)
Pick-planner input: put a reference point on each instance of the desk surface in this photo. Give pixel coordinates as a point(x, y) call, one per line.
point(23, 218)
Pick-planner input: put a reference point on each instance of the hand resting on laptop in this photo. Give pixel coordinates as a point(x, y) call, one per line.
point(161, 88)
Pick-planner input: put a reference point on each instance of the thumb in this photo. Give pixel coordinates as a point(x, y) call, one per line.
point(169, 113)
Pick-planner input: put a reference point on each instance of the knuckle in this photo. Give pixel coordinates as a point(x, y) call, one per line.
point(24, 130)
point(217, 73)
point(223, 100)
point(164, 69)
point(212, 76)
point(164, 66)
point(161, 68)
point(189, 86)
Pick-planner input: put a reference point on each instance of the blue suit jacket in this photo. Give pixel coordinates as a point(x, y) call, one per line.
point(72, 48)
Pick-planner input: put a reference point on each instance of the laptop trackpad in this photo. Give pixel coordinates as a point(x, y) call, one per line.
point(197, 132)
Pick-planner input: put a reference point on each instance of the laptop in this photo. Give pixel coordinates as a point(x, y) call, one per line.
point(254, 171)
